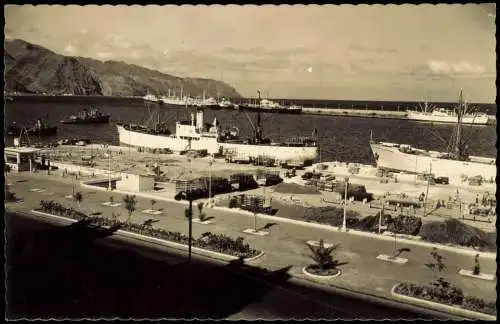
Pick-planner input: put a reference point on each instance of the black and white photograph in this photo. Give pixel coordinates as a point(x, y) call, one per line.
point(250, 162)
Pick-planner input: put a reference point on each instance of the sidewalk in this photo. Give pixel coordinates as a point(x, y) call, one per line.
point(286, 244)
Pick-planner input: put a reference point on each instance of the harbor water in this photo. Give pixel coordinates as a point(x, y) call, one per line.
point(340, 138)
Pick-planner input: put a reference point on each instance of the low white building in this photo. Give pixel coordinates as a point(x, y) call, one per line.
point(20, 158)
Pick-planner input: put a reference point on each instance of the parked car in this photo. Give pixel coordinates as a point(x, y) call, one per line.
point(442, 180)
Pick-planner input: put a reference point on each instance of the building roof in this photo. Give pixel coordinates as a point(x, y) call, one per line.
point(21, 149)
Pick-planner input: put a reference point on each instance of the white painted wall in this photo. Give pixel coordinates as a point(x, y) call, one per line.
point(135, 183)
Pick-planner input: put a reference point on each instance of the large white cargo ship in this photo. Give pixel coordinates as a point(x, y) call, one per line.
point(195, 135)
point(441, 115)
point(456, 163)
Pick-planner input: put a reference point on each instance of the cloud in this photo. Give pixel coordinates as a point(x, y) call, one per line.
point(69, 49)
point(84, 31)
point(363, 48)
point(462, 67)
point(104, 55)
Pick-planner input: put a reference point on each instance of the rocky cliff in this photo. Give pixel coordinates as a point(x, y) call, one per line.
point(34, 69)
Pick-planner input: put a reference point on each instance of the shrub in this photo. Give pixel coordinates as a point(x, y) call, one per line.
point(477, 267)
point(404, 224)
point(455, 232)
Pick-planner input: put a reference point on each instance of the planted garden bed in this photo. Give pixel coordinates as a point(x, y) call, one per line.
point(455, 232)
point(316, 270)
point(212, 242)
point(450, 296)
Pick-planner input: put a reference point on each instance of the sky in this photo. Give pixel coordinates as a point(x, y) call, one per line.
point(362, 52)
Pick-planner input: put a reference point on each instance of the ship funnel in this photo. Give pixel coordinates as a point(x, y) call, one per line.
point(199, 119)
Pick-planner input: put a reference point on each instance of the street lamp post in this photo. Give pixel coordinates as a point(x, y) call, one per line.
point(188, 195)
point(344, 223)
point(427, 191)
point(109, 170)
point(210, 180)
point(381, 215)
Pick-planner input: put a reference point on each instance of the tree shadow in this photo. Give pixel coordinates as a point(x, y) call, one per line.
point(209, 218)
point(267, 226)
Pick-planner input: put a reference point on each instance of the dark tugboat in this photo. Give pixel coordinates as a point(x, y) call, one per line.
point(40, 129)
point(92, 116)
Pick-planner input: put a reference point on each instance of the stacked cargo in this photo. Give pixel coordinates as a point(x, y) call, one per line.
point(475, 181)
point(215, 184)
point(256, 203)
point(243, 181)
point(268, 177)
point(236, 201)
point(185, 185)
point(353, 169)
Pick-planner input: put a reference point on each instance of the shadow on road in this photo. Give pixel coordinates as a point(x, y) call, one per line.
point(65, 272)
point(70, 271)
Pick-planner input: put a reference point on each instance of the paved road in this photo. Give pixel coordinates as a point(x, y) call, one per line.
point(285, 245)
point(72, 271)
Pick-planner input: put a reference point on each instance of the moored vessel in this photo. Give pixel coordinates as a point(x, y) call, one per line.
point(456, 163)
point(39, 129)
point(441, 115)
point(266, 105)
point(92, 116)
point(196, 135)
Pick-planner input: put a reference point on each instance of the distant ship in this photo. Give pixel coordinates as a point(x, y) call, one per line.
point(208, 103)
point(455, 163)
point(151, 98)
point(226, 104)
point(441, 115)
point(196, 135)
point(266, 105)
point(178, 101)
point(92, 116)
point(40, 129)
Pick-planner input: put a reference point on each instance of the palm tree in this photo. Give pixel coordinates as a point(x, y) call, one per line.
point(476, 270)
point(200, 209)
point(153, 202)
point(322, 255)
point(78, 197)
point(130, 203)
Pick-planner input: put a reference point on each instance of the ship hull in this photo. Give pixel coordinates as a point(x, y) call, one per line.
point(475, 120)
point(391, 158)
point(303, 154)
point(175, 144)
point(98, 120)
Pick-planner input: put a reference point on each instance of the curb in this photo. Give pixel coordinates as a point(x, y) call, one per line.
point(487, 255)
point(154, 240)
point(304, 271)
point(442, 307)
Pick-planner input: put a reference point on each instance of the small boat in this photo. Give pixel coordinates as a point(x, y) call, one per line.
point(88, 117)
point(40, 129)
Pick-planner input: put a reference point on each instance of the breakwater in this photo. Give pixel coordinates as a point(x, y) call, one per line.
point(385, 114)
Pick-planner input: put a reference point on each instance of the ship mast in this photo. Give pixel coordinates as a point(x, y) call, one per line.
point(460, 153)
point(258, 135)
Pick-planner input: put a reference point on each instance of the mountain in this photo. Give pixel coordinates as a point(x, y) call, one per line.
point(30, 68)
